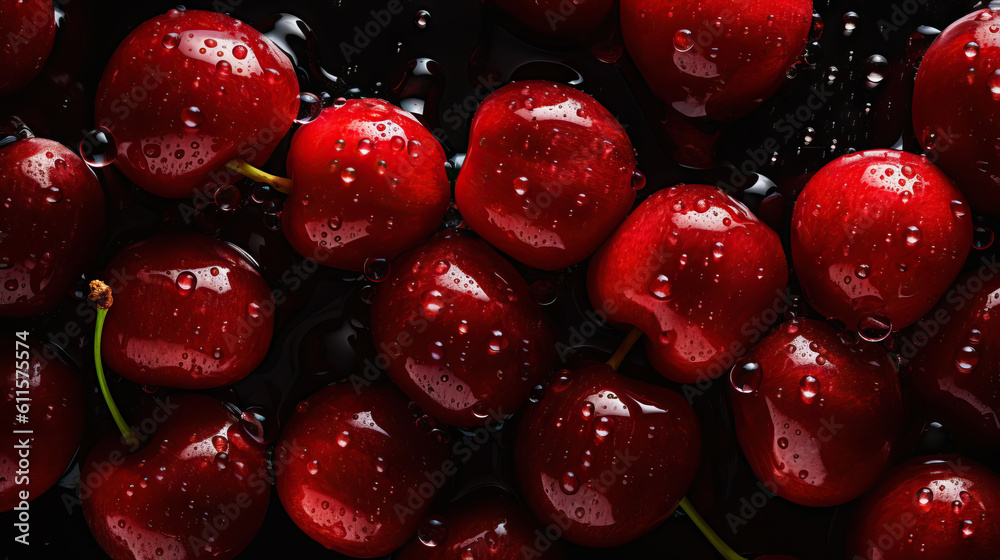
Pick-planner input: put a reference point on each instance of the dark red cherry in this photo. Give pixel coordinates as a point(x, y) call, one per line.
point(956, 92)
point(809, 407)
point(931, 508)
point(188, 91)
point(189, 311)
point(51, 224)
point(700, 275)
point(27, 32)
point(459, 333)
point(49, 394)
point(368, 183)
point(490, 528)
point(954, 355)
point(877, 237)
point(358, 474)
point(605, 457)
point(711, 60)
point(195, 486)
point(548, 175)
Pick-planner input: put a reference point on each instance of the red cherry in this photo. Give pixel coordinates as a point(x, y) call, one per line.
point(956, 91)
point(877, 237)
point(188, 91)
point(358, 473)
point(27, 32)
point(699, 274)
point(494, 527)
point(460, 332)
point(605, 457)
point(932, 508)
point(955, 360)
point(711, 60)
point(56, 418)
point(808, 408)
point(53, 220)
point(559, 19)
point(196, 487)
point(368, 182)
point(548, 175)
point(190, 312)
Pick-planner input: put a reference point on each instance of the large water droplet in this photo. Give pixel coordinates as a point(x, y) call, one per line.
point(924, 496)
point(875, 328)
point(377, 269)
point(809, 386)
point(683, 40)
point(746, 377)
point(98, 147)
point(192, 117)
point(966, 359)
point(310, 108)
point(432, 532)
point(186, 283)
point(876, 68)
point(570, 483)
point(659, 287)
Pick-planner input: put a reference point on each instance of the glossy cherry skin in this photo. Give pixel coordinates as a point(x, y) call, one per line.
point(27, 32)
point(713, 59)
point(879, 234)
point(368, 182)
point(462, 336)
point(956, 367)
point(809, 408)
point(56, 415)
point(189, 312)
point(548, 174)
point(605, 457)
point(196, 487)
point(700, 275)
point(557, 18)
point(952, 99)
point(493, 528)
point(359, 474)
point(947, 503)
point(51, 224)
point(188, 91)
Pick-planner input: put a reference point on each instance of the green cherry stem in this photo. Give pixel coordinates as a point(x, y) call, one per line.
point(706, 530)
point(282, 184)
point(615, 361)
point(101, 294)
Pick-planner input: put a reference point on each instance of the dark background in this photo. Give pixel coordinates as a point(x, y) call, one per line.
point(322, 333)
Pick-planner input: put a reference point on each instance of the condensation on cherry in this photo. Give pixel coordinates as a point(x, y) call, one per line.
point(310, 108)
point(377, 269)
point(98, 147)
point(746, 377)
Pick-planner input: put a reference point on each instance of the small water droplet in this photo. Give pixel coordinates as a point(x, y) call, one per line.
point(431, 532)
point(170, 40)
point(422, 19)
point(966, 359)
point(809, 386)
point(192, 117)
point(783, 443)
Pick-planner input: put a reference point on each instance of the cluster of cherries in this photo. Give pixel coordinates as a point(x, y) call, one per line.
point(878, 241)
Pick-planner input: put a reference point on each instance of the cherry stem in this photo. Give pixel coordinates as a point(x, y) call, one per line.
point(711, 535)
point(101, 293)
point(281, 184)
point(615, 361)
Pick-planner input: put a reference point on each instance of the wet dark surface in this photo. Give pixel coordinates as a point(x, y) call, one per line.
point(322, 332)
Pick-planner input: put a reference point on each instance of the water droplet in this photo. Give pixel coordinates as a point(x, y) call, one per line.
point(192, 117)
point(638, 180)
point(746, 377)
point(333, 223)
point(982, 237)
point(171, 40)
point(913, 236)
point(221, 443)
point(422, 19)
point(441, 267)
point(876, 68)
point(924, 496)
point(312, 467)
point(783, 443)
point(570, 483)
point(966, 529)
point(53, 195)
point(862, 271)
point(851, 20)
point(683, 40)
point(98, 147)
point(966, 359)
point(809, 387)
point(240, 52)
point(377, 269)
point(497, 342)
point(659, 287)
point(521, 186)
point(253, 310)
point(432, 302)
point(343, 439)
point(414, 148)
point(186, 283)
point(223, 69)
point(310, 108)
point(874, 328)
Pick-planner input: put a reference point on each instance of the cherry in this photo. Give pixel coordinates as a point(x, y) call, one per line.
point(712, 62)
point(548, 175)
point(877, 237)
point(191, 312)
point(809, 407)
point(27, 32)
point(188, 91)
point(559, 19)
point(460, 332)
point(358, 473)
point(955, 361)
point(485, 526)
point(955, 93)
point(56, 414)
point(605, 457)
point(196, 486)
point(932, 508)
point(699, 274)
point(368, 182)
point(51, 221)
